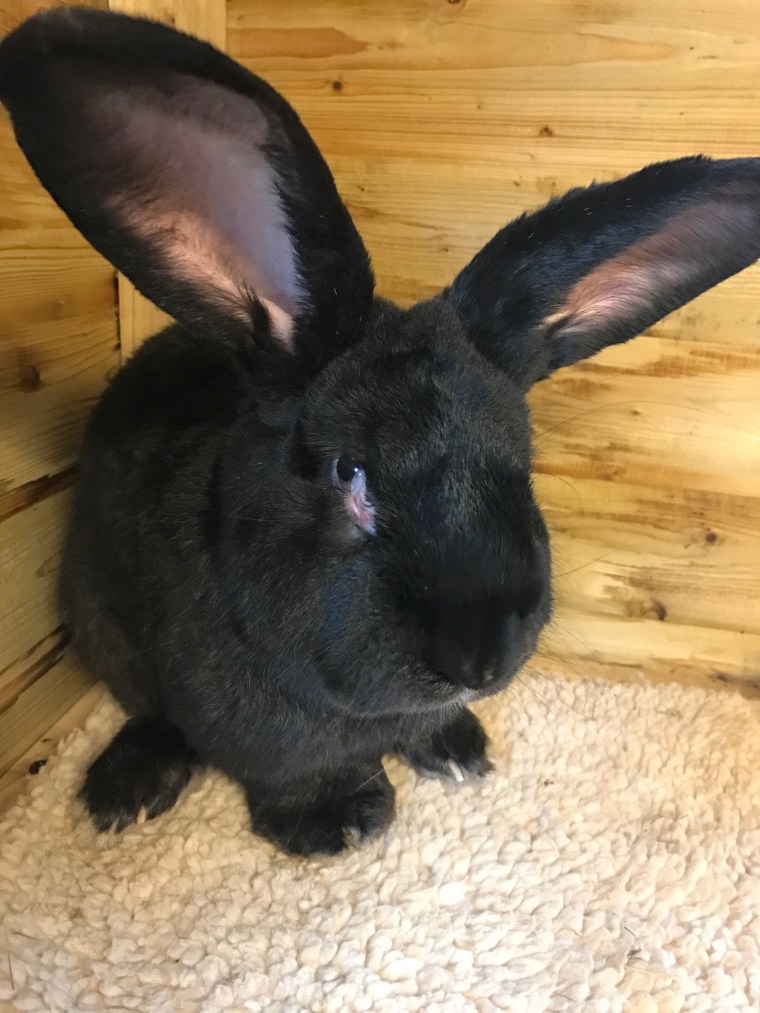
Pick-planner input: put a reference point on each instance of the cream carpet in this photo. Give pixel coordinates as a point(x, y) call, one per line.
point(610, 863)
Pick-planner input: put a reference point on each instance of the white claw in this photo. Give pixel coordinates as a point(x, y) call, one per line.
point(456, 771)
point(352, 836)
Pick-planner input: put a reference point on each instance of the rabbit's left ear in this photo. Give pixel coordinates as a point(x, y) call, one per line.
point(600, 265)
point(191, 175)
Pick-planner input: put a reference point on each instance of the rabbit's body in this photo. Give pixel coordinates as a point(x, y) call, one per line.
point(142, 585)
point(304, 534)
point(137, 562)
point(152, 577)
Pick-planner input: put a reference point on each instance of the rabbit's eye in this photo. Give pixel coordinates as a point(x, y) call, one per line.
point(348, 474)
point(346, 467)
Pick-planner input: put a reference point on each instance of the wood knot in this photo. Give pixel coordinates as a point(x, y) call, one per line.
point(29, 376)
point(659, 610)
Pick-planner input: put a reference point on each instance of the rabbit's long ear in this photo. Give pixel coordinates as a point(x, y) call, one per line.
point(600, 265)
point(191, 175)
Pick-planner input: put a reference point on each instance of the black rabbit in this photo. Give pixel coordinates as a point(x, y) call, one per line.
point(304, 534)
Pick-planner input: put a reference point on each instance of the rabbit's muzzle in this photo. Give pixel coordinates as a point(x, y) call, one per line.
point(481, 644)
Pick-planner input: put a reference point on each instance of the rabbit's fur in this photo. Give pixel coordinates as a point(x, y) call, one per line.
point(304, 534)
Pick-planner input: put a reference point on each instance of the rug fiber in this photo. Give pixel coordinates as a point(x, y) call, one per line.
point(610, 863)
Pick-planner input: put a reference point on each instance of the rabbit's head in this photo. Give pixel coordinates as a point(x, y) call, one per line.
point(376, 493)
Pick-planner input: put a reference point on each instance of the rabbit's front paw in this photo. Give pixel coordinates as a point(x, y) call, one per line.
point(328, 825)
point(143, 770)
point(454, 752)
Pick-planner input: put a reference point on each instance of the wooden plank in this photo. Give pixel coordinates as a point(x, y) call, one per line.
point(541, 39)
point(659, 412)
point(15, 501)
point(13, 12)
point(599, 646)
point(16, 778)
point(50, 377)
point(138, 317)
point(36, 710)
point(205, 18)
point(32, 665)
point(423, 219)
point(58, 339)
point(665, 555)
point(30, 547)
point(58, 345)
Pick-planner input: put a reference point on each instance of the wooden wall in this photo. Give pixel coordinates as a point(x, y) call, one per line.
point(441, 121)
point(58, 344)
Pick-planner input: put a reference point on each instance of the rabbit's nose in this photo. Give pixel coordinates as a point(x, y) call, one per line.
point(457, 664)
point(473, 648)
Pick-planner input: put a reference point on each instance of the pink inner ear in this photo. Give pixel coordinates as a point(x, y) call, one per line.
point(203, 194)
point(639, 279)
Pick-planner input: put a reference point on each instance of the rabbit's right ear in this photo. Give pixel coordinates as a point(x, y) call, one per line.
point(191, 175)
point(600, 265)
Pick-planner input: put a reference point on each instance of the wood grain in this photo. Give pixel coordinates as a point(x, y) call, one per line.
point(595, 645)
point(441, 121)
point(58, 345)
point(48, 731)
point(659, 412)
point(30, 549)
point(58, 339)
point(138, 317)
point(444, 120)
point(38, 707)
point(626, 551)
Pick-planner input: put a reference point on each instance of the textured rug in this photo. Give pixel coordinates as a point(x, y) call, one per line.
point(611, 862)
